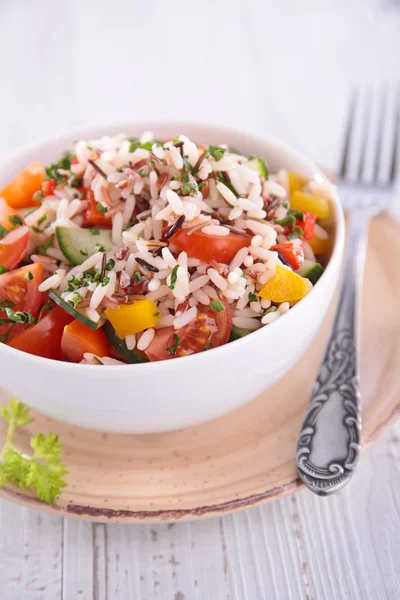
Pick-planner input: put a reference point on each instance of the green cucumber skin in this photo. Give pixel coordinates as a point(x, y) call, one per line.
point(129, 355)
point(311, 270)
point(56, 296)
point(259, 165)
point(237, 333)
point(72, 241)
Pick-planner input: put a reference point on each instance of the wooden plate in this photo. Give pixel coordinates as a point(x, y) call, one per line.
point(243, 458)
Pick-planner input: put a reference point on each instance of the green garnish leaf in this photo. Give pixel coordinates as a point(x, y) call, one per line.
point(188, 166)
point(3, 269)
point(297, 233)
point(101, 208)
point(174, 276)
point(28, 276)
point(176, 177)
point(136, 143)
point(137, 277)
point(269, 310)
point(110, 264)
point(216, 152)
point(143, 173)
point(188, 188)
point(3, 232)
point(15, 220)
point(105, 281)
point(208, 347)
point(222, 179)
point(75, 301)
point(42, 219)
point(177, 342)
point(156, 314)
point(64, 163)
point(201, 185)
point(83, 252)
point(252, 297)
point(19, 316)
point(95, 231)
point(186, 177)
point(297, 213)
point(43, 470)
point(288, 220)
point(6, 303)
point(99, 248)
point(217, 305)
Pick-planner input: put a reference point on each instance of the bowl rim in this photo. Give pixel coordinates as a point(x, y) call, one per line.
point(94, 129)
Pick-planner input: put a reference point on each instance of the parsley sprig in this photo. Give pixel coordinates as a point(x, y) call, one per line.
point(43, 470)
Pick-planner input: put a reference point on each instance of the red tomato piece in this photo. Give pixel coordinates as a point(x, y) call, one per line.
point(44, 338)
point(20, 294)
point(48, 187)
point(292, 251)
point(209, 327)
point(79, 338)
point(19, 192)
point(221, 248)
point(14, 244)
point(92, 217)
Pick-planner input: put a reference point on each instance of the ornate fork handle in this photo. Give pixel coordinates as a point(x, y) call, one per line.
point(329, 443)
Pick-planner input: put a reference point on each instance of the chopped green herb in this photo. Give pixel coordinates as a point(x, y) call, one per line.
point(176, 140)
point(76, 299)
point(136, 143)
point(188, 188)
point(137, 277)
point(208, 347)
point(143, 173)
point(201, 185)
point(217, 305)
point(15, 220)
point(288, 220)
point(297, 233)
point(95, 231)
point(188, 166)
point(6, 303)
point(252, 297)
point(216, 152)
point(245, 276)
point(43, 470)
point(101, 208)
point(75, 182)
point(28, 276)
point(83, 252)
point(222, 179)
point(176, 177)
point(76, 195)
point(285, 204)
point(19, 317)
point(269, 310)
point(174, 276)
point(110, 264)
point(3, 232)
point(64, 163)
point(105, 281)
point(172, 349)
point(99, 248)
point(42, 219)
point(48, 306)
point(297, 213)
point(132, 223)
point(3, 269)
point(156, 314)
point(186, 177)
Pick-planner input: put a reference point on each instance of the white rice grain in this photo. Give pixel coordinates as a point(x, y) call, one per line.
point(215, 230)
point(201, 297)
point(284, 307)
point(246, 323)
point(98, 296)
point(175, 202)
point(176, 157)
point(92, 314)
point(239, 258)
point(272, 316)
point(145, 339)
point(216, 278)
point(52, 282)
point(227, 194)
point(186, 318)
point(116, 232)
point(130, 341)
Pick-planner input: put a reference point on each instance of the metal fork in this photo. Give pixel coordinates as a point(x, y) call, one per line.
point(329, 443)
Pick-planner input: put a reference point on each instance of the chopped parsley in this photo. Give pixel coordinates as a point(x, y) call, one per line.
point(188, 166)
point(177, 342)
point(18, 317)
point(110, 264)
point(208, 346)
point(174, 276)
point(186, 177)
point(269, 310)
point(6, 303)
point(75, 182)
point(175, 177)
point(3, 232)
point(252, 297)
point(48, 306)
point(83, 252)
point(99, 247)
point(75, 301)
point(156, 314)
point(95, 231)
point(42, 219)
point(136, 143)
point(28, 276)
point(201, 185)
point(15, 220)
point(105, 281)
point(217, 305)
point(3, 269)
point(288, 220)
point(101, 208)
point(222, 179)
point(296, 233)
point(216, 152)
point(297, 213)
point(143, 173)
point(188, 188)
point(137, 277)
point(64, 163)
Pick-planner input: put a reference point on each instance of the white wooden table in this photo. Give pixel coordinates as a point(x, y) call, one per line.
point(282, 68)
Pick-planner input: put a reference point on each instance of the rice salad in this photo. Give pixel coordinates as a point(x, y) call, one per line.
point(128, 250)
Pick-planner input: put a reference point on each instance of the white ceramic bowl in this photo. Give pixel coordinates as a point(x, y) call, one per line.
point(172, 394)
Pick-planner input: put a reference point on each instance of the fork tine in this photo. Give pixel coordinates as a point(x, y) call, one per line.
point(379, 137)
point(364, 134)
point(395, 149)
point(344, 165)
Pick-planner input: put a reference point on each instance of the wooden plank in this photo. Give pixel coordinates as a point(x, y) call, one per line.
point(78, 571)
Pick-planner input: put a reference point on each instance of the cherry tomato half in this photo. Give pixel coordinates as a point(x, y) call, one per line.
point(209, 327)
point(78, 338)
point(293, 252)
point(19, 192)
point(92, 217)
point(20, 294)
point(44, 338)
point(221, 248)
point(14, 244)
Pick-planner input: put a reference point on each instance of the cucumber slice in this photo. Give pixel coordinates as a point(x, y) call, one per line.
point(237, 333)
point(131, 356)
point(259, 166)
point(56, 296)
point(78, 244)
point(311, 270)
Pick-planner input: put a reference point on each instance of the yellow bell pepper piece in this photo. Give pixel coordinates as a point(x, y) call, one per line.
point(320, 246)
point(132, 318)
point(318, 205)
point(296, 182)
point(286, 286)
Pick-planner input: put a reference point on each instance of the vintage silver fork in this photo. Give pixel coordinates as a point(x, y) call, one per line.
point(329, 443)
